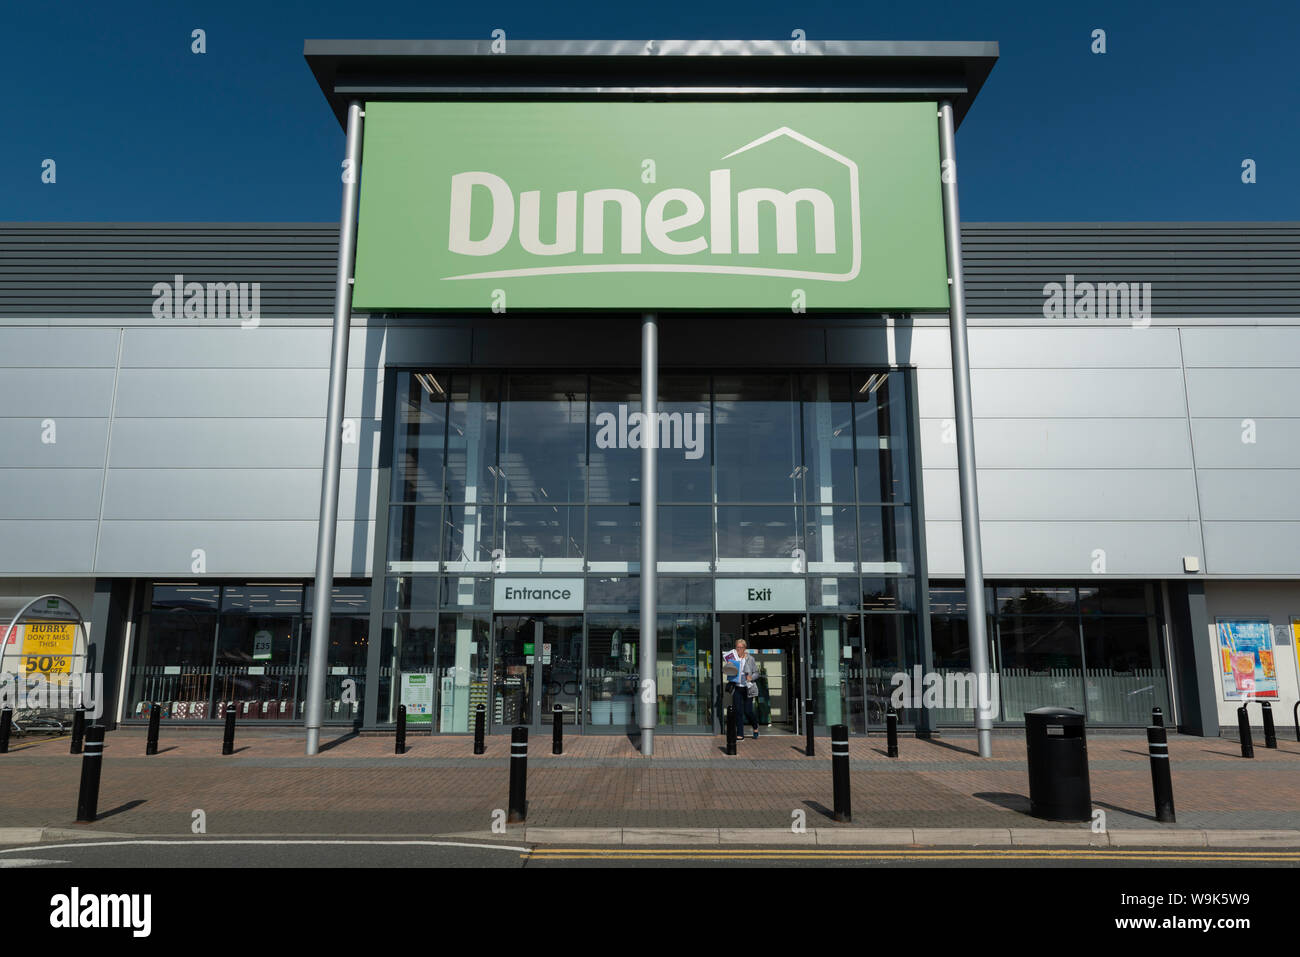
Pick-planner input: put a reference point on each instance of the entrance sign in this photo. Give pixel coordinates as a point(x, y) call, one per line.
point(538, 594)
point(760, 594)
point(651, 205)
point(1246, 662)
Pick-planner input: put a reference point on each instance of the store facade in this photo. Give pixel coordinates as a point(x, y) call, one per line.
point(492, 472)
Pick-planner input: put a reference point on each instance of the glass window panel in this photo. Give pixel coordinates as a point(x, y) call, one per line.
point(345, 661)
point(831, 537)
point(827, 438)
point(829, 592)
point(407, 645)
point(890, 647)
point(757, 436)
point(1121, 598)
point(463, 649)
point(542, 537)
point(880, 420)
point(685, 473)
point(613, 675)
point(613, 537)
point(685, 652)
point(835, 646)
point(417, 592)
point(463, 591)
point(472, 419)
point(173, 657)
point(257, 663)
point(757, 537)
point(685, 538)
point(884, 593)
point(685, 593)
point(1126, 676)
point(544, 438)
point(621, 593)
point(419, 436)
point(414, 535)
point(1041, 663)
point(346, 598)
point(886, 543)
point(615, 468)
point(1037, 600)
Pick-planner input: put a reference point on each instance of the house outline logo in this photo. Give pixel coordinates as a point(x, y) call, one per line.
point(855, 214)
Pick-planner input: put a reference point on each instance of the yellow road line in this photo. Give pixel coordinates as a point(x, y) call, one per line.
point(920, 853)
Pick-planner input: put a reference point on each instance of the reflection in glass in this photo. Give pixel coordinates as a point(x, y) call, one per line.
point(880, 423)
point(544, 438)
point(835, 666)
point(419, 437)
point(756, 431)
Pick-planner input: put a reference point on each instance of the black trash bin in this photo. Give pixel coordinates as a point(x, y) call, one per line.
point(1058, 765)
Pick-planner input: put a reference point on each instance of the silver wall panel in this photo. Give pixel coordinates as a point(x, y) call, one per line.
point(49, 493)
point(228, 346)
point(1064, 443)
point(46, 347)
point(1219, 443)
point(1251, 495)
point(78, 443)
point(1110, 347)
point(1252, 548)
point(1045, 495)
point(226, 494)
point(50, 393)
point(1065, 549)
point(241, 393)
point(46, 547)
point(1242, 346)
point(237, 548)
point(1243, 393)
point(232, 442)
point(1064, 393)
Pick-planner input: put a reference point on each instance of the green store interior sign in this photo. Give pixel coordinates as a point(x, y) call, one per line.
point(650, 206)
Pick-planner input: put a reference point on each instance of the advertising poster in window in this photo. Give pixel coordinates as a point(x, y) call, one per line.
point(417, 695)
point(1246, 663)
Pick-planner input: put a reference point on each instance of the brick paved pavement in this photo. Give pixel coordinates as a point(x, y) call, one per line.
point(357, 785)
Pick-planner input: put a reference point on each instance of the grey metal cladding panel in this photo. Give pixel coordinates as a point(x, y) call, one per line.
point(1219, 443)
point(229, 346)
point(232, 494)
point(1259, 495)
point(230, 548)
point(50, 493)
point(52, 393)
point(1068, 495)
point(109, 269)
point(1249, 346)
point(428, 345)
point(1252, 548)
point(45, 347)
point(1109, 347)
point(1063, 393)
point(78, 443)
point(1064, 443)
point(1243, 393)
point(1065, 549)
point(252, 393)
point(259, 443)
point(46, 547)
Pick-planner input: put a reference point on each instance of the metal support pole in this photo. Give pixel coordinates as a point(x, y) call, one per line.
point(648, 696)
point(1162, 783)
point(966, 480)
point(329, 490)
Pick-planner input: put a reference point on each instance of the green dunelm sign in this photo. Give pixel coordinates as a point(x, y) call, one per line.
point(650, 206)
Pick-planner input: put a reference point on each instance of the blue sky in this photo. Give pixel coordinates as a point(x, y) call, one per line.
point(141, 129)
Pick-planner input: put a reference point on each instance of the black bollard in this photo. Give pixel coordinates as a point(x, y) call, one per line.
point(480, 718)
point(840, 772)
point(518, 775)
point(557, 731)
point(6, 725)
point(1295, 719)
point(1157, 717)
point(891, 733)
point(1162, 783)
point(400, 746)
point(228, 742)
point(1243, 729)
point(1270, 732)
point(92, 763)
point(155, 717)
point(78, 729)
point(810, 748)
point(731, 730)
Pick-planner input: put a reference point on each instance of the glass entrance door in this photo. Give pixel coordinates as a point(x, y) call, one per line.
point(536, 664)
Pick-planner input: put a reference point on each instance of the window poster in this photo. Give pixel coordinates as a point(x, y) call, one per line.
point(1246, 664)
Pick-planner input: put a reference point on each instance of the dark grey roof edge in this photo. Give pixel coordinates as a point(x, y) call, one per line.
point(1046, 224)
point(624, 48)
